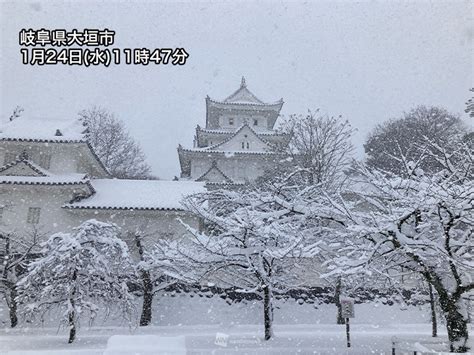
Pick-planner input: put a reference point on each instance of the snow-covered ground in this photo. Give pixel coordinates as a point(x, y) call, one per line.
point(243, 339)
point(299, 329)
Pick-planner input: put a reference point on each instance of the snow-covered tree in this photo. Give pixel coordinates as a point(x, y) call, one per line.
point(121, 155)
point(394, 143)
point(152, 279)
point(248, 244)
point(317, 156)
point(78, 273)
point(421, 223)
point(319, 150)
point(15, 254)
point(388, 226)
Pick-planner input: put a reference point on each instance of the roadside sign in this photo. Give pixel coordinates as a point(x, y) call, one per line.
point(347, 305)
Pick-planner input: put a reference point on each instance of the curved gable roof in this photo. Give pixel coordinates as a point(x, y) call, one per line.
point(245, 98)
point(243, 95)
point(26, 167)
point(215, 175)
point(239, 132)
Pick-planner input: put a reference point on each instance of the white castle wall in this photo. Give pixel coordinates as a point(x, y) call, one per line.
point(240, 119)
point(66, 158)
point(17, 199)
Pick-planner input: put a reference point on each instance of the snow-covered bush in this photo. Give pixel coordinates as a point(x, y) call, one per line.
point(78, 273)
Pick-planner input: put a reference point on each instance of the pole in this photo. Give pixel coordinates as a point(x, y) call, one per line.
point(347, 333)
point(394, 344)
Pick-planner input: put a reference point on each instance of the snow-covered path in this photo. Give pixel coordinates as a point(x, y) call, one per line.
point(299, 329)
point(289, 339)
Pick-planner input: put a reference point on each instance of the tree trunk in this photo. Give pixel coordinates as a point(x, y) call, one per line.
point(434, 322)
point(337, 301)
point(13, 306)
point(267, 312)
point(72, 324)
point(10, 282)
point(456, 325)
point(469, 309)
point(72, 311)
point(145, 318)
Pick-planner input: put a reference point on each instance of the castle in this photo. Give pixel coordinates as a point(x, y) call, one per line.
point(51, 180)
point(238, 143)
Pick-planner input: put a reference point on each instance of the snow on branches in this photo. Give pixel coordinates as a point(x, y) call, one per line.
point(386, 226)
point(421, 224)
point(79, 273)
point(16, 252)
point(319, 151)
point(248, 244)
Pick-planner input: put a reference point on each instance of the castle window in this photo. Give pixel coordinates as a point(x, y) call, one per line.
point(45, 161)
point(248, 145)
point(231, 121)
point(33, 215)
point(255, 122)
point(243, 145)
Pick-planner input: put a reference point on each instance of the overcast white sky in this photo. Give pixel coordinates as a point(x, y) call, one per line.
point(366, 61)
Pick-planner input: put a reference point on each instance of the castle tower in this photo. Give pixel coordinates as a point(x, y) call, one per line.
point(238, 143)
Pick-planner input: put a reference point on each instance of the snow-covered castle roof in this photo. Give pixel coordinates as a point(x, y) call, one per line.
point(40, 129)
point(242, 100)
point(49, 130)
point(53, 180)
point(243, 95)
point(138, 194)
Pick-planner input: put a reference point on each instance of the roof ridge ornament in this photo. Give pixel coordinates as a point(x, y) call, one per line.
point(243, 84)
